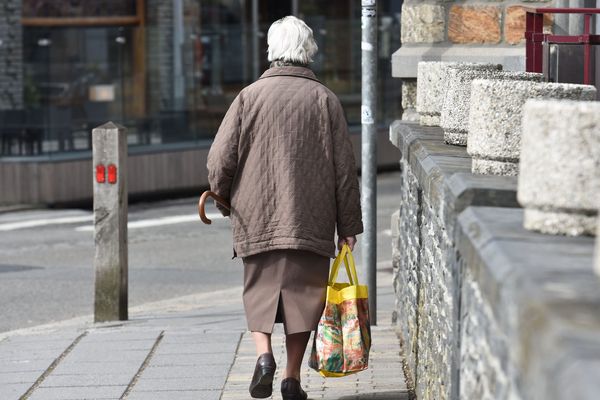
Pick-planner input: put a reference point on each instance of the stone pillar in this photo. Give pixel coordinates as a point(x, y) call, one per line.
point(110, 222)
point(494, 137)
point(559, 179)
point(457, 100)
point(430, 91)
point(409, 100)
point(11, 56)
point(432, 84)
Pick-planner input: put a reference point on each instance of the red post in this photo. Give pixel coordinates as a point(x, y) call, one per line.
point(529, 41)
point(538, 30)
point(587, 49)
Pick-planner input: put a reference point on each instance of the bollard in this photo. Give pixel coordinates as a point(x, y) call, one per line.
point(110, 222)
point(430, 91)
point(432, 84)
point(559, 179)
point(494, 138)
point(457, 100)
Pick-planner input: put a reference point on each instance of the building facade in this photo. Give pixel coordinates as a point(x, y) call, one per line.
point(167, 70)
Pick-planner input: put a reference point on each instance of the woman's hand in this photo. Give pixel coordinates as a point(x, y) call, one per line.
point(349, 240)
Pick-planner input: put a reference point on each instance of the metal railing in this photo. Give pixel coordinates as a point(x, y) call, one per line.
point(536, 38)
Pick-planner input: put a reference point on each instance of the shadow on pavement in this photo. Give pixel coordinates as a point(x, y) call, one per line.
point(389, 395)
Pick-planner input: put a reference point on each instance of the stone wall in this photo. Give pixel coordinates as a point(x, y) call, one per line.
point(485, 308)
point(472, 30)
point(11, 56)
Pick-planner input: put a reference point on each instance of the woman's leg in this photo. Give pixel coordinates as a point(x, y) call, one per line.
point(263, 342)
point(295, 345)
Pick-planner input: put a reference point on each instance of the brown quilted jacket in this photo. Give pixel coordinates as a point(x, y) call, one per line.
point(284, 160)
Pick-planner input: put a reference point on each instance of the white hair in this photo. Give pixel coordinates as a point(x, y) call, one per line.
point(291, 40)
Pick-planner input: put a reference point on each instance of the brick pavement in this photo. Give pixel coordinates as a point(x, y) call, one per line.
point(382, 380)
point(195, 347)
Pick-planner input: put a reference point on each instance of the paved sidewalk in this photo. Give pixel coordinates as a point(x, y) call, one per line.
point(383, 380)
point(194, 347)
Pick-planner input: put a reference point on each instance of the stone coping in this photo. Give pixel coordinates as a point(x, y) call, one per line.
point(549, 279)
point(407, 57)
point(444, 171)
point(494, 241)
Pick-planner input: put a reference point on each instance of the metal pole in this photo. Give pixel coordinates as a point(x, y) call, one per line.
point(110, 222)
point(178, 40)
point(255, 44)
point(369, 149)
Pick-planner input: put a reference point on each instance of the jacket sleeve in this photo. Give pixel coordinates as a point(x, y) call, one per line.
point(223, 155)
point(347, 194)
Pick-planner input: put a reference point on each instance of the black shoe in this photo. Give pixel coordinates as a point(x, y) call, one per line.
point(291, 390)
point(262, 380)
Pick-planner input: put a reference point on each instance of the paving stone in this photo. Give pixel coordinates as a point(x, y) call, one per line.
point(367, 384)
point(199, 360)
point(154, 371)
point(24, 365)
point(174, 384)
point(77, 393)
point(95, 367)
point(177, 395)
point(86, 380)
point(11, 391)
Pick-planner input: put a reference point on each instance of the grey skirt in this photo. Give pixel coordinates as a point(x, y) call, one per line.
point(287, 286)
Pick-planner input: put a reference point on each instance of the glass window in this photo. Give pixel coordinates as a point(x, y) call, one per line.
point(169, 69)
point(77, 8)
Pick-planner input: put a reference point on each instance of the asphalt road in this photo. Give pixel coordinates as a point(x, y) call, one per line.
point(46, 256)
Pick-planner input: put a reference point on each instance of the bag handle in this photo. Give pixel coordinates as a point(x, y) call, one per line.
point(346, 255)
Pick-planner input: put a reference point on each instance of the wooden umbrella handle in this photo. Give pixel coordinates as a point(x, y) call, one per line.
point(202, 202)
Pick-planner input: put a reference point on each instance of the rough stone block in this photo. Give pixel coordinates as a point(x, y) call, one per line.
point(457, 99)
point(432, 84)
point(423, 23)
point(559, 180)
point(409, 93)
point(430, 91)
point(494, 137)
point(409, 100)
point(474, 24)
point(514, 24)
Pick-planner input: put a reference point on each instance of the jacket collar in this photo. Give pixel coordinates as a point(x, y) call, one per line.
point(301, 72)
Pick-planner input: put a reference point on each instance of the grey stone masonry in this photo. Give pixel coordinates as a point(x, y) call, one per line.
point(495, 115)
point(11, 56)
point(430, 91)
point(559, 179)
point(457, 323)
point(432, 84)
point(457, 99)
point(530, 326)
point(436, 186)
point(409, 100)
point(597, 256)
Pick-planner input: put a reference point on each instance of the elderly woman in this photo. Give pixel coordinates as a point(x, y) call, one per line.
point(284, 160)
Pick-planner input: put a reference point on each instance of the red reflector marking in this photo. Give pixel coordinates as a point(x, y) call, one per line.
point(100, 173)
point(112, 173)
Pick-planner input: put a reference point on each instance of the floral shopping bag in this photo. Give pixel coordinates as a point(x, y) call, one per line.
point(343, 338)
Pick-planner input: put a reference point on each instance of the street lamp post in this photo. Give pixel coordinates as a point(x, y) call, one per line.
point(369, 149)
